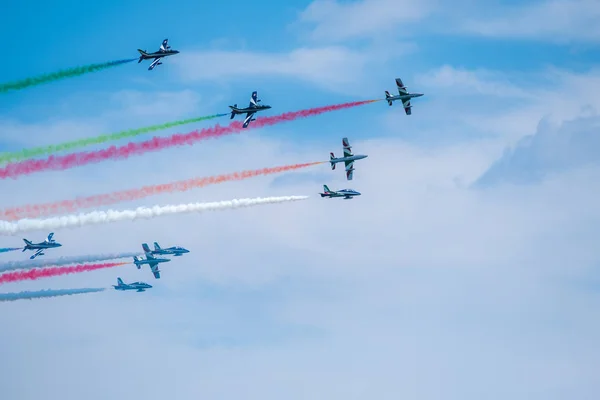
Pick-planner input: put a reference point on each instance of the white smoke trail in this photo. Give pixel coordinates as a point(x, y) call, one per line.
point(104, 217)
point(46, 293)
point(40, 263)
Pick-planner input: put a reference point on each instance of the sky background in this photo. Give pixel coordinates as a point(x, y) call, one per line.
point(468, 268)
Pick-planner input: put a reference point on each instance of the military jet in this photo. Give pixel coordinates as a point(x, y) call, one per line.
point(138, 286)
point(347, 194)
point(150, 260)
point(49, 243)
point(348, 159)
point(175, 250)
point(252, 108)
point(403, 95)
point(164, 51)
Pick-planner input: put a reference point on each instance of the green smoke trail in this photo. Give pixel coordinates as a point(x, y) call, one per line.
point(53, 148)
point(62, 74)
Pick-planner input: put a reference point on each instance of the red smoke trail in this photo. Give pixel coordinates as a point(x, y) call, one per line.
point(34, 274)
point(66, 206)
point(13, 170)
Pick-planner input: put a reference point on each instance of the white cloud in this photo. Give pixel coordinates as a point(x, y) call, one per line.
point(560, 21)
point(335, 68)
point(503, 104)
point(334, 21)
point(549, 151)
point(414, 280)
point(468, 82)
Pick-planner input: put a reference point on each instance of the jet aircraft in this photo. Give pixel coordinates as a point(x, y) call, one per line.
point(150, 260)
point(348, 159)
point(49, 243)
point(252, 109)
point(164, 51)
point(177, 251)
point(347, 194)
point(402, 95)
point(138, 286)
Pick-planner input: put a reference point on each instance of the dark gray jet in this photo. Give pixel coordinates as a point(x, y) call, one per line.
point(49, 243)
point(402, 95)
point(348, 159)
point(164, 51)
point(252, 108)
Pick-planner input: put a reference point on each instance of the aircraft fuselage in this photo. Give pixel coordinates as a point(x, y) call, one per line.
point(405, 96)
point(158, 54)
point(346, 194)
point(248, 110)
point(151, 261)
point(37, 246)
point(349, 158)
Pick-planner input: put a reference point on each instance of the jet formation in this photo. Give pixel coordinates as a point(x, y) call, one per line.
point(253, 107)
point(49, 243)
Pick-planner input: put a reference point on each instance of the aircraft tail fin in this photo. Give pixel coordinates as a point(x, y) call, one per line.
point(27, 243)
point(156, 246)
point(119, 281)
point(387, 97)
point(232, 112)
point(326, 189)
point(137, 259)
point(145, 247)
point(331, 157)
point(142, 54)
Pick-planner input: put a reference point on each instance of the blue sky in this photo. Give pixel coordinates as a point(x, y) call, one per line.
point(468, 268)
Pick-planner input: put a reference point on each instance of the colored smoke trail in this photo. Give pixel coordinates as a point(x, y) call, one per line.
point(75, 144)
point(49, 272)
point(62, 74)
point(14, 170)
point(7, 249)
point(103, 217)
point(41, 263)
point(46, 293)
point(64, 206)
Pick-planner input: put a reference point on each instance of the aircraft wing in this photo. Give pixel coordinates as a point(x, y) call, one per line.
point(146, 249)
point(401, 88)
point(253, 100)
point(407, 106)
point(155, 271)
point(154, 64)
point(349, 169)
point(37, 253)
point(248, 119)
point(347, 148)
point(165, 45)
